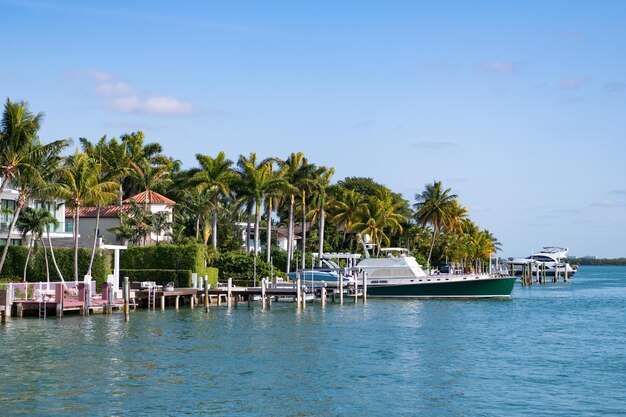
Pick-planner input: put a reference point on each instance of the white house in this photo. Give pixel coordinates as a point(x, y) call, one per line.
point(110, 216)
point(8, 204)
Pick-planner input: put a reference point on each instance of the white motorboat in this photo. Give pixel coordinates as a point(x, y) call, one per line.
point(550, 258)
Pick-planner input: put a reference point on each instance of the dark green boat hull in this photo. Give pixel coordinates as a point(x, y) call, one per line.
point(500, 287)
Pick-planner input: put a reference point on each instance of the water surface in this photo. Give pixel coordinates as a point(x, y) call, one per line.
point(558, 349)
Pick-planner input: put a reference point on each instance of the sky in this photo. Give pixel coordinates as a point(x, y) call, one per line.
point(518, 107)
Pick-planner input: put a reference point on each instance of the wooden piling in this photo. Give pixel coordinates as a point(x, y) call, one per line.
point(163, 302)
point(364, 287)
point(565, 273)
point(206, 293)
point(323, 294)
point(58, 297)
point(263, 285)
point(192, 301)
point(176, 302)
point(126, 299)
point(340, 290)
point(298, 294)
point(230, 293)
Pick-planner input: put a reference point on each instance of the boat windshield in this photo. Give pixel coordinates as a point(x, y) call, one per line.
point(394, 252)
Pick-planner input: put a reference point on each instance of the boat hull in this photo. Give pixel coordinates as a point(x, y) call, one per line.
point(472, 287)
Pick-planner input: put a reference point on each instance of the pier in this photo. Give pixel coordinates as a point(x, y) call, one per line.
point(57, 299)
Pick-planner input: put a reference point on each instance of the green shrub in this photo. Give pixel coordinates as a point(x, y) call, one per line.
point(16, 257)
point(167, 257)
point(240, 267)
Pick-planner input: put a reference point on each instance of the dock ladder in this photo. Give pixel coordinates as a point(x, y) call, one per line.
point(43, 307)
point(152, 297)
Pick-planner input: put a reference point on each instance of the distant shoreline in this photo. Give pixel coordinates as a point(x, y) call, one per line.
point(597, 261)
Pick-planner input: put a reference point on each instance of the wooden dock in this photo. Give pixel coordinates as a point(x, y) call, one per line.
point(83, 302)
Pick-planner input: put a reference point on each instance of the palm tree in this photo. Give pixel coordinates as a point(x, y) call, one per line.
point(104, 155)
point(81, 184)
point(18, 130)
point(214, 178)
point(324, 175)
point(160, 223)
point(33, 223)
point(378, 217)
point(433, 207)
point(256, 179)
point(150, 177)
point(345, 208)
point(300, 177)
point(36, 176)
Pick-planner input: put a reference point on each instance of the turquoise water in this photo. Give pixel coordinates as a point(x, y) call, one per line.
point(550, 350)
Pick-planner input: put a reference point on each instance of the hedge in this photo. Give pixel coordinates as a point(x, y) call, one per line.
point(13, 268)
point(180, 278)
point(240, 267)
point(167, 257)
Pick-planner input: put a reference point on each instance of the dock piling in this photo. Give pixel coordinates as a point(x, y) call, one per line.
point(206, 293)
point(230, 293)
point(364, 287)
point(126, 299)
point(323, 294)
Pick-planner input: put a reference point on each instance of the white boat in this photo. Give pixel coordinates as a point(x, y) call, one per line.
point(399, 275)
point(550, 258)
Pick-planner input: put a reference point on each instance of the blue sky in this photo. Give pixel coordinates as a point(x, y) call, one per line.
point(519, 108)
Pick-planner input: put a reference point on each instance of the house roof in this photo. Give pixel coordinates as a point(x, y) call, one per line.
point(105, 212)
point(150, 197)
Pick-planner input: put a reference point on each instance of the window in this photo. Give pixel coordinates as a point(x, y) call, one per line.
point(7, 208)
point(14, 242)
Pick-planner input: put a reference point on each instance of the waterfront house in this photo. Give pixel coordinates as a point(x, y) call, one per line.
point(8, 204)
point(110, 217)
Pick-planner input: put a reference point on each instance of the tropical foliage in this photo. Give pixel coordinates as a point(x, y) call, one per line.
point(273, 198)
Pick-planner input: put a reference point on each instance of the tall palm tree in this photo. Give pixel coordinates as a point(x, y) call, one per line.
point(105, 156)
point(18, 130)
point(324, 174)
point(214, 178)
point(36, 176)
point(150, 177)
point(345, 208)
point(378, 218)
point(81, 185)
point(256, 179)
point(433, 207)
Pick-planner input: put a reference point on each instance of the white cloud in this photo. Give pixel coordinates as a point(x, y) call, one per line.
point(573, 83)
point(499, 67)
point(159, 105)
point(118, 96)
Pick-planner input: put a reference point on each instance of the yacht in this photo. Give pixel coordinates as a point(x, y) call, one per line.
point(397, 274)
point(329, 274)
point(552, 258)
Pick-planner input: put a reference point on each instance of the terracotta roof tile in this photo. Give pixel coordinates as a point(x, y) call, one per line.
point(105, 212)
point(150, 197)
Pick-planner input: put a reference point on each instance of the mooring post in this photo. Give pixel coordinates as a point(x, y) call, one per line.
point(303, 296)
point(323, 294)
point(126, 299)
point(206, 293)
point(298, 300)
point(163, 301)
point(364, 287)
point(556, 274)
point(176, 300)
point(565, 273)
point(263, 285)
point(229, 291)
point(340, 290)
point(58, 298)
point(192, 301)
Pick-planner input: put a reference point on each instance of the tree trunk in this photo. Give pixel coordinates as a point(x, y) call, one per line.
point(76, 224)
point(95, 240)
point(257, 224)
point(197, 227)
point(321, 233)
point(290, 237)
point(432, 244)
point(303, 229)
point(269, 230)
point(249, 210)
point(214, 224)
point(30, 248)
point(54, 259)
point(45, 254)
point(20, 203)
